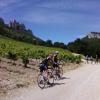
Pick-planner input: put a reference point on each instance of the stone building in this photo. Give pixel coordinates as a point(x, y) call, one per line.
point(16, 25)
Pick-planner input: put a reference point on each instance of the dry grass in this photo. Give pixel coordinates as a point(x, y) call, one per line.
point(13, 75)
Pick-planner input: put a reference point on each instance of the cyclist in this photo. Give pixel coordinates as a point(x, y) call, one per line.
point(91, 59)
point(87, 58)
point(44, 65)
point(96, 59)
point(56, 63)
point(55, 60)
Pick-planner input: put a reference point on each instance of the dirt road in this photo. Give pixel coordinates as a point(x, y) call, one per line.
point(80, 84)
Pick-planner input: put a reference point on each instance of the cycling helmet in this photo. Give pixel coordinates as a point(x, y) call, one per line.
point(56, 52)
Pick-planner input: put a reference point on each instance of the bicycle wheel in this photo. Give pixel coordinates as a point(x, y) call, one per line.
point(51, 78)
point(54, 73)
point(60, 72)
point(41, 81)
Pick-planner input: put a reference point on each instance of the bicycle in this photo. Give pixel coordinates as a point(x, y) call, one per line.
point(57, 72)
point(42, 79)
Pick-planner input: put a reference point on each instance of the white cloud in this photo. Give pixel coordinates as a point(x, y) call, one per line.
point(42, 17)
point(7, 6)
point(47, 16)
point(5, 3)
point(61, 11)
point(70, 4)
point(54, 11)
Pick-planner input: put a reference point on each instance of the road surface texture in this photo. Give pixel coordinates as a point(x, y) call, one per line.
point(82, 83)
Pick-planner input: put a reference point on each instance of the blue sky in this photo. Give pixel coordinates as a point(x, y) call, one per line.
point(57, 20)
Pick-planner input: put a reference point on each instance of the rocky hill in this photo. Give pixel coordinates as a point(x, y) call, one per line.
point(88, 45)
point(93, 35)
point(18, 31)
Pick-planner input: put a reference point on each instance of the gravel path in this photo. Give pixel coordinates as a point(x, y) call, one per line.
point(82, 83)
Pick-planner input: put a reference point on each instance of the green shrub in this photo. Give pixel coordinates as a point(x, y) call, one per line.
point(3, 46)
point(25, 59)
point(12, 55)
point(14, 50)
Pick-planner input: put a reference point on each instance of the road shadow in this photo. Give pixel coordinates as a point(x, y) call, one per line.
point(55, 84)
point(63, 78)
point(58, 84)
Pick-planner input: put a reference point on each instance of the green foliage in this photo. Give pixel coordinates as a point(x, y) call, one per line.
point(21, 35)
point(60, 45)
point(25, 35)
point(85, 46)
point(12, 55)
point(14, 49)
point(1, 23)
point(3, 46)
point(49, 43)
point(25, 59)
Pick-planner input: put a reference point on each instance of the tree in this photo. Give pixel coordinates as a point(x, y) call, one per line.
point(85, 46)
point(1, 22)
point(60, 45)
point(49, 43)
point(25, 59)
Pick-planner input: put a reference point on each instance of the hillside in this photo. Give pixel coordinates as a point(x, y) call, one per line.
point(13, 54)
point(18, 31)
point(7, 45)
point(88, 45)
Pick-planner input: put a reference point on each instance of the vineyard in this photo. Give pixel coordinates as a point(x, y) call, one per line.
point(19, 63)
point(14, 50)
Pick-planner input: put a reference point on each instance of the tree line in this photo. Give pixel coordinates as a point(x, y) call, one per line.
point(85, 46)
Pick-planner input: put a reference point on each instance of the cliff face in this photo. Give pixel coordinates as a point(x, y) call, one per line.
point(94, 35)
